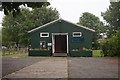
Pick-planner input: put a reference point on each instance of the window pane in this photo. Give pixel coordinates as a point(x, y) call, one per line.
point(77, 34)
point(44, 34)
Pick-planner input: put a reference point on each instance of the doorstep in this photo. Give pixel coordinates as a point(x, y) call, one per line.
point(60, 54)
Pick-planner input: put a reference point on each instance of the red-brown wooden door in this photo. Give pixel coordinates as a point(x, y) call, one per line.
point(60, 43)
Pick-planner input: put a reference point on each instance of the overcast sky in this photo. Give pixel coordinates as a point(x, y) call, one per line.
point(71, 10)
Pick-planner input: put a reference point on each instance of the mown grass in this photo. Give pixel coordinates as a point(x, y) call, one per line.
point(13, 53)
point(97, 53)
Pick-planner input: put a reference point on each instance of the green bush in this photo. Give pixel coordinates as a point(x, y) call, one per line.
point(111, 46)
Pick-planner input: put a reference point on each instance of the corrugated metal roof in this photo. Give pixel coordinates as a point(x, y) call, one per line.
point(60, 20)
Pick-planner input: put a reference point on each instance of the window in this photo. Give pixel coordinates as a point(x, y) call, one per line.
point(77, 34)
point(44, 34)
point(42, 44)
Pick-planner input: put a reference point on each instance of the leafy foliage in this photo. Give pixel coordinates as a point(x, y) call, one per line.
point(111, 46)
point(112, 15)
point(15, 28)
point(13, 7)
point(91, 21)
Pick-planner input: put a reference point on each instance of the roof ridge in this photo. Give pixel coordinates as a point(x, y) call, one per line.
point(79, 25)
point(43, 25)
point(63, 20)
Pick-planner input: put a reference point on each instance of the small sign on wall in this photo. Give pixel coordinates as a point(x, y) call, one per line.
point(77, 39)
point(49, 44)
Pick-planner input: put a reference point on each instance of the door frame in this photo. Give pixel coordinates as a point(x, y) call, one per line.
point(53, 40)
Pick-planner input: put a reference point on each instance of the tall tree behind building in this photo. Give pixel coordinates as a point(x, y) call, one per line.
point(15, 28)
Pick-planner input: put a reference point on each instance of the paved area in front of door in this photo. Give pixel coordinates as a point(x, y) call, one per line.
point(63, 67)
point(93, 67)
point(53, 67)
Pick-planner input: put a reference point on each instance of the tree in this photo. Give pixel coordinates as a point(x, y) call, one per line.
point(15, 28)
point(43, 15)
point(91, 21)
point(13, 7)
point(112, 15)
point(111, 45)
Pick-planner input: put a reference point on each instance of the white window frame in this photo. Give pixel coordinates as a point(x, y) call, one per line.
point(41, 34)
point(77, 33)
point(53, 41)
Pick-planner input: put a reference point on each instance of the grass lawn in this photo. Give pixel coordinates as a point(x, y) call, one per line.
point(14, 53)
point(96, 53)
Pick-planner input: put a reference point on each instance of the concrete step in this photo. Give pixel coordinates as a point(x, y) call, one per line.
point(60, 54)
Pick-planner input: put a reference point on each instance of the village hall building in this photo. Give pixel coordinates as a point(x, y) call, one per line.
point(61, 38)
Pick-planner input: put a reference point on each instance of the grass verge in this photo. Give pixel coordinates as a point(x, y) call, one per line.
point(96, 53)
